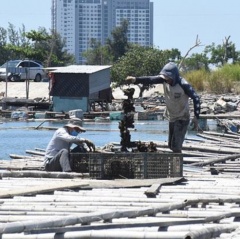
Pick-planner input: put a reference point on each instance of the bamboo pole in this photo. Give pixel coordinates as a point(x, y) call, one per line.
point(219, 149)
point(212, 232)
point(233, 142)
point(159, 223)
point(217, 160)
point(219, 116)
point(16, 227)
point(114, 234)
point(198, 147)
point(225, 135)
point(203, 233)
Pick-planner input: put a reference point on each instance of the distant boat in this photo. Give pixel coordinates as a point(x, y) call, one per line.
point(102, 119)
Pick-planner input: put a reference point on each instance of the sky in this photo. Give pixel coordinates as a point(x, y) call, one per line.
point(177, 23)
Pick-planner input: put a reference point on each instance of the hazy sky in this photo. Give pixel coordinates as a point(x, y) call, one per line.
point(176, 23)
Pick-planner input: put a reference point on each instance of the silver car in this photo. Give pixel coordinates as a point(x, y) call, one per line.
point(20, 70)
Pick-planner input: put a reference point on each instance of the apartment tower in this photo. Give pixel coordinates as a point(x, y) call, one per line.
point(79, 21)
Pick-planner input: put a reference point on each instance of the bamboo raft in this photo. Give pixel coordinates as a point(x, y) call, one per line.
point(204, 203)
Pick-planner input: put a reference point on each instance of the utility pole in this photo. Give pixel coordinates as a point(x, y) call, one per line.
point(6, 85)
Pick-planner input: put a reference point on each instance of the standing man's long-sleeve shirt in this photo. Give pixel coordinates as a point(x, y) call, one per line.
point(176, 95)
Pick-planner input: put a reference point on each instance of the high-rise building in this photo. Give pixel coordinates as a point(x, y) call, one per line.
point(79, 21)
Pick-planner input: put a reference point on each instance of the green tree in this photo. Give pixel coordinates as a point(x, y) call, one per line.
point(118, 44)
point(49, 48)
point(195, 62)
point(97, 54)
point(38, 45)
point(220, 55)
point(24, 41)
point(139, 61)
point(115, 47)
point(3, 43)
point(58, 55)
point(40, 48)
point(12, 42)
point(3, 36)
point(13, 35)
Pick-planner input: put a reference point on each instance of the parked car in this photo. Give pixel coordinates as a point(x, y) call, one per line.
point(20, 70)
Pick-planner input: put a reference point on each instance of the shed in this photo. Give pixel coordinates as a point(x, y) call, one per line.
point(80, 87)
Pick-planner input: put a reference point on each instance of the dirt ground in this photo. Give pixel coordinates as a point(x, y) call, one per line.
point(41, 90)
point(19, 89)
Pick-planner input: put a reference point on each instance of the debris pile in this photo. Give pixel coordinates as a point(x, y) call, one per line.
point(219, 104)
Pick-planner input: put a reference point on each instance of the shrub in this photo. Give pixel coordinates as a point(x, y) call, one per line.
point(197, 79)
point(230, 71)
point(223, 80)
point(218, 84)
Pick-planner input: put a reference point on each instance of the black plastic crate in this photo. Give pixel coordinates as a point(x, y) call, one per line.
point(80, 162)
point(113, 165)
point(166, 165)
point(135, 165)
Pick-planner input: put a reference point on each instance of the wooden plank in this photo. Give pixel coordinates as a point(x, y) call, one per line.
point(22, 163)
point(154, 189)
point(128, 183)
point(17, 156)
point(41, 174)
point(34, 152)
point(50, 187)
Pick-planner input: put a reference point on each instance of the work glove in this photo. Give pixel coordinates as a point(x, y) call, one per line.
point(130, 80)
point(90, 145)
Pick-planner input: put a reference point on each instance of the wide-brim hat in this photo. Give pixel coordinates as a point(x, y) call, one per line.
point(75, 126)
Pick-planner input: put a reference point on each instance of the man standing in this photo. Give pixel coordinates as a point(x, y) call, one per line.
point(58, 149)
point(177, 92)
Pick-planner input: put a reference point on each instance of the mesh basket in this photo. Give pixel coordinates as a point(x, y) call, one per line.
point(135, 165)
point(80, 162)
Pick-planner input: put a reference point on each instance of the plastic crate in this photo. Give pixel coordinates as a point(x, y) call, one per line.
point(135, 165)
point(112, 165)
point(80, 162)
point(166, 165)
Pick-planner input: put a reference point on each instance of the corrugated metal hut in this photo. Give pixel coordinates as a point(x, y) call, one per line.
point(80, 87)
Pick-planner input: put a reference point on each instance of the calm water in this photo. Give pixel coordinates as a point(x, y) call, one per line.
point(17, 137)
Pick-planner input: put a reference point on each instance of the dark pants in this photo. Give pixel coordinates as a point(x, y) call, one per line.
point(176, 136)
point(60, 162)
